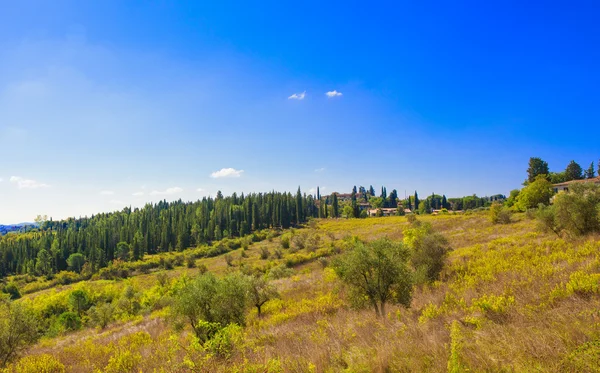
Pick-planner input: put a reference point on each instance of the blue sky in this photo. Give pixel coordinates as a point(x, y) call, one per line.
point(111, 103)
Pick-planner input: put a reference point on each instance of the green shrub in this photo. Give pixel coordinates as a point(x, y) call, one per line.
point(70, 321)
point(499, 214)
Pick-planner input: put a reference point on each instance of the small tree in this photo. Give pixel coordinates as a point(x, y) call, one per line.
point(207, 304)
point(539, 191)
point(123, 251)
point(499, 214)
point(102, 315)
point(79, 300)
point(260, 292)
point(428, 251)
point(576, 212)
point(377, 272)
point(18, 330)
point(76, 262)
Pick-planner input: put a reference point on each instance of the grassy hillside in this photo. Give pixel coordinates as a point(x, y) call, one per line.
point(510, 299)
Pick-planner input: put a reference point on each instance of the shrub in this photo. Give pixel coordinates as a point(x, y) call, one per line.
point(202, 268)
point(229, 260)
point(428, 251)
point(70, 321)
point(102, 315)
point(190, 261)
point(499, 214)
point(285, 241)
point(18, 330)
point(12, 290)
point(39, 364)
point(224, 341)
point(264, 253)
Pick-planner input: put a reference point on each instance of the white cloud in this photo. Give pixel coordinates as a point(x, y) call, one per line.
point(27, 183)
point(333, 93)
point(1, 179)
point(137, 194)
point(107, 193)
point(297, 96)
point(199, 190)
point(117, 202)
point(168, 191)
point(320, 169)
point(226, 172)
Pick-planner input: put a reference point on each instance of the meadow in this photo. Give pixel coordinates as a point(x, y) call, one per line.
point(510, 298)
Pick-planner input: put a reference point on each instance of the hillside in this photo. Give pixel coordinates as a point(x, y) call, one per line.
point(510, 299)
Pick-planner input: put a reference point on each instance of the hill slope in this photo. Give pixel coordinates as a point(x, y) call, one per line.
point(510, 299)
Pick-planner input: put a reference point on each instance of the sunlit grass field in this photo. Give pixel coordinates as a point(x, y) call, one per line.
point(510, 299)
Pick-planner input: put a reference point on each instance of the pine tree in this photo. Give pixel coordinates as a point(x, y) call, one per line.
point(416, 202)
point(590, 173)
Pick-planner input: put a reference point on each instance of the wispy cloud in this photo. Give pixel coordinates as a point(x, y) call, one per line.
point(226, 172)
point(320, 169)
point(168, 191)
point(297, 96)
point(107, 192)
point(117, 202)
point(23, 183)
point(333, 93)
point(137, 194)
point(199, 190)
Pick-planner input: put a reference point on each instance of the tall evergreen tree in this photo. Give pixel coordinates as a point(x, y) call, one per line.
point(355, 210)
point(536, 167)
point(573, 171)
point(416, 201)
point(590, 172)
point(334, 206)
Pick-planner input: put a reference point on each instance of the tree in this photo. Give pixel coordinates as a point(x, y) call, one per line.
point(416, 201)
point(573, 171)
point(378, 273)
point(137, 246)
point(536, 167)
point(576, 212)
point(260, 292)
point(348, 212)
point(79, 300)
point(102, 315)
point(355, 210)
point(335, 210)
point(208, 304)
point(18, 330)
point(537, 192)
point(428, 250)
point(75, 262)
point(590, 172)
point(371, 190)
point(123, 251)
point(43, 264)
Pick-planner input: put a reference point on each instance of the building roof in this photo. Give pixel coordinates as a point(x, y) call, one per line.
point(592, 180)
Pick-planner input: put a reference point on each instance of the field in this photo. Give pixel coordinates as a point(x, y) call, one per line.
point(510, 299)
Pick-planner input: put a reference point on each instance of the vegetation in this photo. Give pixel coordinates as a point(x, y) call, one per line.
point(487, 290)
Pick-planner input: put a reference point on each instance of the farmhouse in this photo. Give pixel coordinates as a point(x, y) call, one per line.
point(564, 187)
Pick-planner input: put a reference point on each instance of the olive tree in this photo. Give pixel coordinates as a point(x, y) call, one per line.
point(377, 273)
point(208, 304)
point(18, 330)
point(260, 291)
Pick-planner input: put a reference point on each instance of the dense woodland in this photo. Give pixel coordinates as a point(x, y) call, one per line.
point(175, 226)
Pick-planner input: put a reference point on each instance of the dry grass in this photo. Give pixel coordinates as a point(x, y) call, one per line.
point(505, 284)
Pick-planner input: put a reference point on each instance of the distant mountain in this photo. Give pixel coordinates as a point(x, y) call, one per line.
point(20, 227)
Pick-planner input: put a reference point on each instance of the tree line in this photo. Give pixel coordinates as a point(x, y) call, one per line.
point(573, 171)
point(131, 233)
